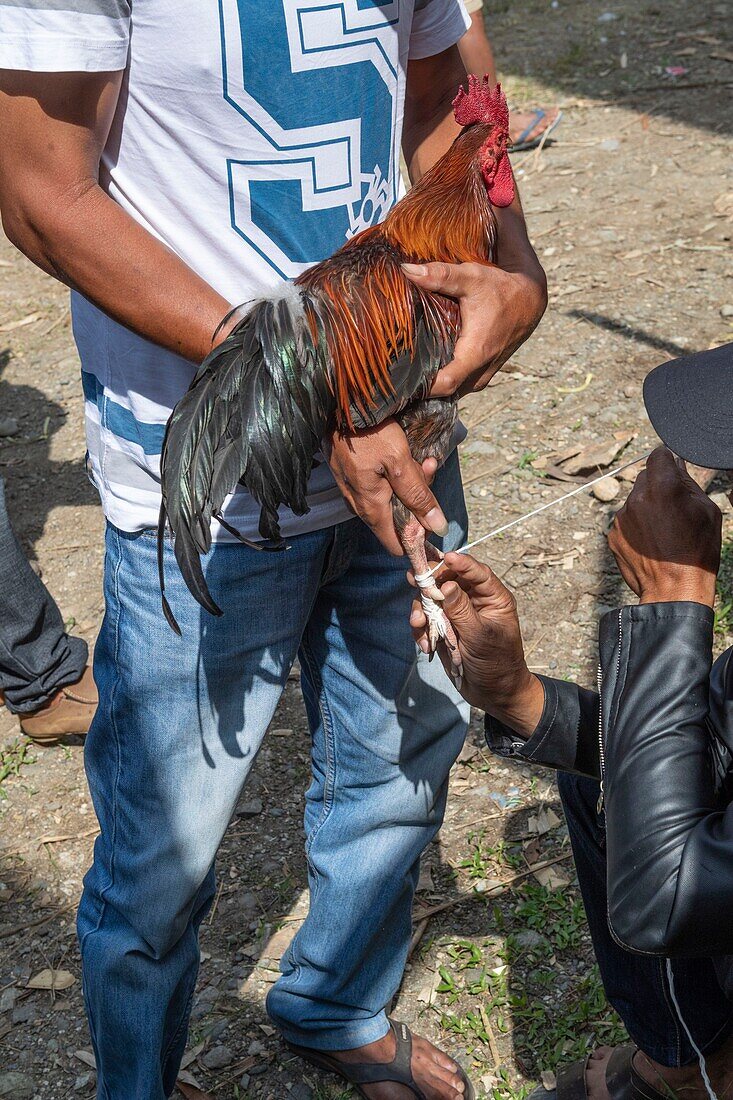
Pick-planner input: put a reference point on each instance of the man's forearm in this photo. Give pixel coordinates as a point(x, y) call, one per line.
point(90, 243)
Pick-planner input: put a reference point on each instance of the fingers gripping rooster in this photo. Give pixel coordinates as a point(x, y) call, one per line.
point(351, 342)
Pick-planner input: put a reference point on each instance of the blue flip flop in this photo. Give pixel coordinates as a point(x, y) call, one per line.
point(522, 144)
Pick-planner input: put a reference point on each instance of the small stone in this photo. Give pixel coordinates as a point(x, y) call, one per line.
point(8, 997)
point(217, 1058)
point(606, 490)
point(84, 1081)
point(8, 427)
point(479, 447)
point(301, 1091)
point(16, 1086)
point(244, 1081)
point(250, 809)
point(256, 1047)
point(209, 993)
point(218, 1028)
point(529, 939)
point(726, 311)
point(23, 1014)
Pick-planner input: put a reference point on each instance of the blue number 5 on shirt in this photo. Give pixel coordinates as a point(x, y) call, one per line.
point(317, 81)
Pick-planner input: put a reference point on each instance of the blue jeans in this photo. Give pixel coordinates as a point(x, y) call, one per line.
point(637, 985)
point(178, 726)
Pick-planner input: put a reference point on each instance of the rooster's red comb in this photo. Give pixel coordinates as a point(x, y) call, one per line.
point(481, 104)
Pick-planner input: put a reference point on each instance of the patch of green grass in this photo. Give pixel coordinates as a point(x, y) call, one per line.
point(548, 1038)
point(485, 859)
point(542, 994)
point(12, 759)
point(527, 459)
point(556, 914)
point(723, 621)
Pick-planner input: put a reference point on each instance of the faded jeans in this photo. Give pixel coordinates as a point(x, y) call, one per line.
point(178, 725)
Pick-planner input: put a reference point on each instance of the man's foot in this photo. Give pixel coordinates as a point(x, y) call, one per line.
point(69, 711)
point(434, 1072)
point(686, 1079)
point(527, 128)
point(398, 1067)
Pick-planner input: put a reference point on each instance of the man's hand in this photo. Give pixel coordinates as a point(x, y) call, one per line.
point(499, 310)
point(666, 538)
point(371, 466)
point(484, 615)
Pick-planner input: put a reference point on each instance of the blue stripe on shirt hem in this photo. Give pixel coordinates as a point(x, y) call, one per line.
point(119, 420)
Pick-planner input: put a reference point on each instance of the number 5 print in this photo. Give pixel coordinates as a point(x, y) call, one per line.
point(316, 82)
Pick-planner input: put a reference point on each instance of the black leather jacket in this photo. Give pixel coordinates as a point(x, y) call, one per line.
point(664, 752)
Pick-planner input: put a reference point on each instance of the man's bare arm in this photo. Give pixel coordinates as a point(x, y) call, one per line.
point(53, 127)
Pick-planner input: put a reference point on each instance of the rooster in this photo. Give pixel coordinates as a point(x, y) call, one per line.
point(351, 342)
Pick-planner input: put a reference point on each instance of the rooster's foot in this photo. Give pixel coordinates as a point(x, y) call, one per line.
point(441, 628)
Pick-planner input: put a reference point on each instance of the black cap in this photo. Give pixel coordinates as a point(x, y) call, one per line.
point(690, 404)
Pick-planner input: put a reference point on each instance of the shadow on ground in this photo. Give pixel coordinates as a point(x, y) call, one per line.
point(36, 483)
point(615, 53)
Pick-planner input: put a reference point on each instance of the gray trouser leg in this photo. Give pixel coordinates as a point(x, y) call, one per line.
point(37, 656)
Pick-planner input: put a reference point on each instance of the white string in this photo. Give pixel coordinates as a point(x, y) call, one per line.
point(695, 1047)
point(424, 577)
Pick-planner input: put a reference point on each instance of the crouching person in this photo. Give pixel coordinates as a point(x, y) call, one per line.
point(647, 785)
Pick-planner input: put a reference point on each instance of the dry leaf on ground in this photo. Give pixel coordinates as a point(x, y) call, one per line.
point(51, 979)
point(550, 878)
point(597, 455)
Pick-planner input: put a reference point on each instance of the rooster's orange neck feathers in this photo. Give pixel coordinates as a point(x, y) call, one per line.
point(447, 216)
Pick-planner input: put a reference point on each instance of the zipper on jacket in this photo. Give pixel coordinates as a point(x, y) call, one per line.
point(601, 746)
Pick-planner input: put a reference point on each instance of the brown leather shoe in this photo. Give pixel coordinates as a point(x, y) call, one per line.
point(70, 711)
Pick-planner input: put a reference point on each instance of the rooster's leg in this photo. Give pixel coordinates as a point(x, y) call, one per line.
point(413, 538)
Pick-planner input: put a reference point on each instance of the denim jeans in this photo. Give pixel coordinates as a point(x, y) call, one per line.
point(37, 656)
point(178, 725)
point(637, 985)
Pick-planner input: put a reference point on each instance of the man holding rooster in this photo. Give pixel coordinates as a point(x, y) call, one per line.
point(166, 160)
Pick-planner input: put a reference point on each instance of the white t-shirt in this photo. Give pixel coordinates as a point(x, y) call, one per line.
point(253, 137)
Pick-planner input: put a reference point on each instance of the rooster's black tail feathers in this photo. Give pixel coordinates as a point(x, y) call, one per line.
point(255, 414)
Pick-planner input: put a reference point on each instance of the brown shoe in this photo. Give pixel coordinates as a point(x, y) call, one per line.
point(70, 711)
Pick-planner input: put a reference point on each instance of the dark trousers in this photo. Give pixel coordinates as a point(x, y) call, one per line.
point(637, 985)
point(37, 656)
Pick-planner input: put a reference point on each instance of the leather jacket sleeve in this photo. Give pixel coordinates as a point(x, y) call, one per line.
point(666, 772)
point(669, 835)
point(567, 735)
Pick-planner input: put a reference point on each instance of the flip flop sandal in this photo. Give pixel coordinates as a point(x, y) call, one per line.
point(523, 144)
point(623, 1081)
point(398, 1070)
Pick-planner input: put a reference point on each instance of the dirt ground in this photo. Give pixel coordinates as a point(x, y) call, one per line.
point(631, 209)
